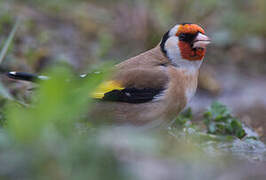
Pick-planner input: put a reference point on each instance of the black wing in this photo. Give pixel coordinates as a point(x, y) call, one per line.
point(132, 95)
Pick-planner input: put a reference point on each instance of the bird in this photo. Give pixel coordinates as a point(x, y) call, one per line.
point(152, 88)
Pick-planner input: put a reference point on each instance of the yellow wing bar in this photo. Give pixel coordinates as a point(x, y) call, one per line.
point(104, 88)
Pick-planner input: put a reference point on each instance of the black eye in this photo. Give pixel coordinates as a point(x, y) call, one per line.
point(187, 37)
point(182, 37)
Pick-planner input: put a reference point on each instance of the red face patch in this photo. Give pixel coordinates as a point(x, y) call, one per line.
point(186, 50)
point(190, 54)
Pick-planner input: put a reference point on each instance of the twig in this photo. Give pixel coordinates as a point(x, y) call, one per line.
point(8, 41)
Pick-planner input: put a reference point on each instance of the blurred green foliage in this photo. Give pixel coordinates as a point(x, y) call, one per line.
point(184, 118)
point(219, 120)
point(60, 102)
point(45, 138)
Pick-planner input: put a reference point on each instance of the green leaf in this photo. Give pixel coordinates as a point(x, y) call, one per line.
point(219, 120)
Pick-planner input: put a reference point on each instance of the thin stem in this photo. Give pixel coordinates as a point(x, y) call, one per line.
point(9, 40)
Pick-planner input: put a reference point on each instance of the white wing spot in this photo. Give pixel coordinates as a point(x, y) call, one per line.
point(13, 73)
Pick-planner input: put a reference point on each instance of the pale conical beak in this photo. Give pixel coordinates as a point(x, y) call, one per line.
point(201, 41)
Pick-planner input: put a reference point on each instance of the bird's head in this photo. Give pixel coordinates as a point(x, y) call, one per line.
point(185, 44)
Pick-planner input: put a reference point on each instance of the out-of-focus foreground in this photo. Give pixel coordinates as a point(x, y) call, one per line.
point(41, 142)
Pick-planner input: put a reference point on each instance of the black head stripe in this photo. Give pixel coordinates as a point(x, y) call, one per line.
point(162, 45)
point(184, 23)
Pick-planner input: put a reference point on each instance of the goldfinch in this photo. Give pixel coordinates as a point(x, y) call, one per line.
point(153, 87)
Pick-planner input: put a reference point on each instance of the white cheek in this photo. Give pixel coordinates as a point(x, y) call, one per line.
point(173, 53)
point(172, 48)
point(174, 30)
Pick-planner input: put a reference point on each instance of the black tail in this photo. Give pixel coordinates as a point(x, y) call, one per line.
point(25, 76)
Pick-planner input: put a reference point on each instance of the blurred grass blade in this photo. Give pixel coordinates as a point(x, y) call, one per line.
point(5, 93)
point(8, 41)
